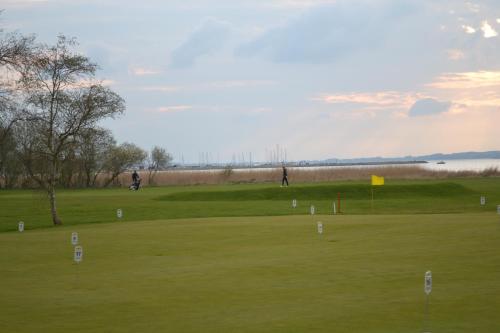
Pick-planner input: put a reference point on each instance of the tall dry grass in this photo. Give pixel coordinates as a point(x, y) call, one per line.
point(296, 175)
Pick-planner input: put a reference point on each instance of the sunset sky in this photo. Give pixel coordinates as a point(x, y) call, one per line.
point(320, 79)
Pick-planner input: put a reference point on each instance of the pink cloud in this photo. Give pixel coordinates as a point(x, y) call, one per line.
point(165, 88)
point(173, 108)
point(467, 80)
point(140, 71)
point(373, 100)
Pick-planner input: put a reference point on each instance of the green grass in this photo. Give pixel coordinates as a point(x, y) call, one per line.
point(255, 274)
point(320, 192)
point(238, 258)
point(397, 197)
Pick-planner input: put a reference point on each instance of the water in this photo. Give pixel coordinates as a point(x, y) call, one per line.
point(463, 165)
point(449, 165)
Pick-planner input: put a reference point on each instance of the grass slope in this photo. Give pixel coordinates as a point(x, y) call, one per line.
point(255, 274)
point(320, 192)
point(98, 206)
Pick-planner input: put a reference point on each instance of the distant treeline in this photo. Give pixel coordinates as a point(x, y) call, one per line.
point(51, 104)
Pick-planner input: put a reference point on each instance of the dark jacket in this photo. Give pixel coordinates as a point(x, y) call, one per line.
point(135, 177)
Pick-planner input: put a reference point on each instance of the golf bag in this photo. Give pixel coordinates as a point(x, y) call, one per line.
point(136, 185)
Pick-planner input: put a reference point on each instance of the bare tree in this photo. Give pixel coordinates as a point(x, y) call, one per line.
point(159, 159)
point(122, 158)
point(10, 163)
point(94, 146)
point(61, 104)
point(9, 115)
point(15, 51)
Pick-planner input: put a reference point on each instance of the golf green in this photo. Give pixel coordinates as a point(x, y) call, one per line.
point(365, 273)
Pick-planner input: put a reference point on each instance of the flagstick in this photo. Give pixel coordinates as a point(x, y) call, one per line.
point(338, 201)
point(372, 198)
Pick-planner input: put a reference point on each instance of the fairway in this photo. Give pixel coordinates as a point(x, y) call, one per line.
point(161, 203)
point(255, 274)
point(282, 166)
point(239, 258)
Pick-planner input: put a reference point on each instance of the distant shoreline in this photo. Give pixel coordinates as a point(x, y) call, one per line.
point(294, 165)
point(314, 172)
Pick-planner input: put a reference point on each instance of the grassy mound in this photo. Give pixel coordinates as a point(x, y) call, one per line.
point(325, 192)
point(161, 203)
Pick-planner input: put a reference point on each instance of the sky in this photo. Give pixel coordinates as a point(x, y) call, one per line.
point(225, 80)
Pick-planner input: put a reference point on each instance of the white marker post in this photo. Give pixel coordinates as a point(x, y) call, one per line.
point(74, 238)
point(313, 210)
point(498, 209)
point(320, 228)
point(294, 203)
point(334, 209)
point(427, 290)
point(428, 282)
point(483, 201)
point(119, 213)
point(78, 254)
point(20, 226)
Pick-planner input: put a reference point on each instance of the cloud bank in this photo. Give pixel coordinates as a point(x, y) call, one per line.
point(206, 39)
point(428, 106)
point(329, 32)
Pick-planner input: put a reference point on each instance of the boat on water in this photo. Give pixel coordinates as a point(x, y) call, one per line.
point(441, 162)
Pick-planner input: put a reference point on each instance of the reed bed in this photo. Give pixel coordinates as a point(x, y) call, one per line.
point(295, 175)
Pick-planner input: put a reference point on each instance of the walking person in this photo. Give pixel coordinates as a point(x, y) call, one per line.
point(135, 177)
point(285, 177)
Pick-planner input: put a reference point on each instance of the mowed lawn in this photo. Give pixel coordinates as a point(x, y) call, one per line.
point(238, 258)
point(256, 274)
point(161, 203)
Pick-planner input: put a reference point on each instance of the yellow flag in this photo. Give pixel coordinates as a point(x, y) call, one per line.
point(377, 181)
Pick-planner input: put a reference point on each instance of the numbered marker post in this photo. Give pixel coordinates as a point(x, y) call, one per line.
point(483, 201)
point(294, 203)
point(74, 238)
point(320, 228)
point(78, 256)
point(313, 210)
point(428, 282)
point(119, 213)
point(20, 226)
point(427, 290)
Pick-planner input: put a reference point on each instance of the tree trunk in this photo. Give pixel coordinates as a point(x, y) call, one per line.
point(53, 208)
point(94, 180)
point(88, 178)
point(110, 180)
point(150, 177)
